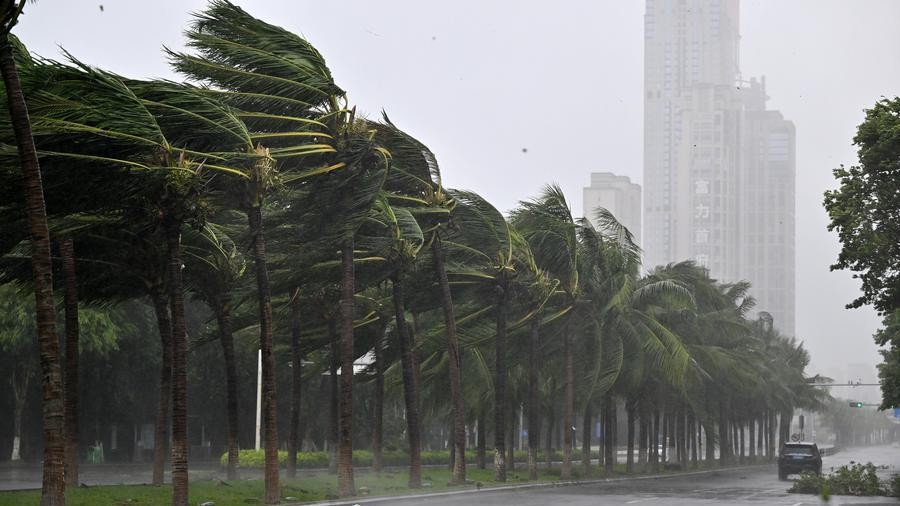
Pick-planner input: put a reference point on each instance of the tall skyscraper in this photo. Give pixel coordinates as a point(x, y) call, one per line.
point(766, 255)
point(618, 195)
point(718, 166)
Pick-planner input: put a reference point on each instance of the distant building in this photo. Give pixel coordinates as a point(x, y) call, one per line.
point(719, 168)
point(619, 196)
point(767, 186)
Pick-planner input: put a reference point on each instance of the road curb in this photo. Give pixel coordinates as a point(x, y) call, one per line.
point(365, 501)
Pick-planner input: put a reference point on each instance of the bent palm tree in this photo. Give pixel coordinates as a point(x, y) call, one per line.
point(53, 483)
point(487, 255)
point(139, 128)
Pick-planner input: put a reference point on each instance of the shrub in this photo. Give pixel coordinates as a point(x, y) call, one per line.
point(255, 459)
point(809, 483)
point(857, 479)
point(894, 486)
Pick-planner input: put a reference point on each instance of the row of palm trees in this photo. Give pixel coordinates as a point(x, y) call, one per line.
point(158, 190)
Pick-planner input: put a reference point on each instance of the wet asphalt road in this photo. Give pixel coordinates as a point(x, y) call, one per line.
point(754, 486)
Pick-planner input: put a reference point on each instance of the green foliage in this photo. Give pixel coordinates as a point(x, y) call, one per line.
point(889, 369)
point(894, 486)
point(866, 207)
point(254, 459)
point(99, 327)
point(856, 479)
point(864, 212)
point(808, 483)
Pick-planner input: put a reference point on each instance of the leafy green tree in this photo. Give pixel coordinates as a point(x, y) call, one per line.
point(864, 211)
point(889, 369)
point(866, 206)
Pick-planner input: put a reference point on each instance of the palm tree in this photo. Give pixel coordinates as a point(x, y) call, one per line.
point(244, 58)
point(288, 99)
point(487, 254)
point(215, 271)
point(70, 296)
point(53, 486)
point(394, 235)
point(416, 179)
point(295, 438)
point(158, 125)
point(547, 224)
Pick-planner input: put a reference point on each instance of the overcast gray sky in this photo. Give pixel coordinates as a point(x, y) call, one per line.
point(479, 81)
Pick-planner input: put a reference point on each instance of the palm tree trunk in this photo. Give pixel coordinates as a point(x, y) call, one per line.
point(569, 410)
point(642, 440)
point(346, 486)
point(500, 389)
point(67, 251)
point(481, 443)
point(407, 363)
point(378, 422)
point(609, 430)
point(161, 434)
point(333, 399)
point(692, 425)
point(724, 437)
point(760, 427)
point(654, 442)
point(629, 457)
point(223, 318)
point(533, 407)
point(456, 395)
point(179, 368)
point(787, 417)
point(665, 438)
point(296, 384)
point(266, 346)
point(751, 435)
point(452, 449)
point(586, 440)
point(53, 410)
point(511, 442)
point(548, 442)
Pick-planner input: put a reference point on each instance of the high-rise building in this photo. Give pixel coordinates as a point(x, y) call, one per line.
point(767, 188)
point(718, 166)
point(618, 195)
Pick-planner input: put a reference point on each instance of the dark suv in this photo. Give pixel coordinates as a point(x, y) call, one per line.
point(798, 457)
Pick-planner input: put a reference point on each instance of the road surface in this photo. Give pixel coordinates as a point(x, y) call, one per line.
point(755, 486)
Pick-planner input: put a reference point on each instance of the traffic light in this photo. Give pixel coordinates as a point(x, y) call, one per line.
point(856, 404)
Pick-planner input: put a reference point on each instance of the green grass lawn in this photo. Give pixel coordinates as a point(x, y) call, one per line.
point(315, 487)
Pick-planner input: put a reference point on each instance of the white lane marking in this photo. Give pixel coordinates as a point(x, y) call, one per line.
point(797, 504)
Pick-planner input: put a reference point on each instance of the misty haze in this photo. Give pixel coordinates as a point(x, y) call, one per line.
point(362, 253)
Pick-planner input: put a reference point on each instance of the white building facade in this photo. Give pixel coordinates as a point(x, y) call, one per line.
point(618, 195)
point(718, 167)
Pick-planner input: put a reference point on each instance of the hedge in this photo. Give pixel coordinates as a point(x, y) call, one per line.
point(255, 459)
